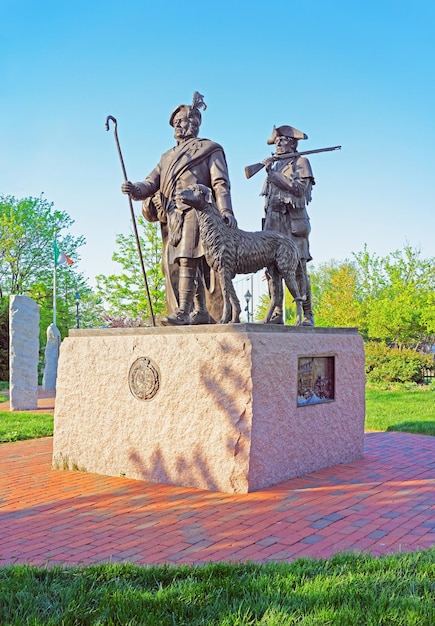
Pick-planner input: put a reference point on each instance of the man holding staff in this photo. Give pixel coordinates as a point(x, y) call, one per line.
point(192, 295)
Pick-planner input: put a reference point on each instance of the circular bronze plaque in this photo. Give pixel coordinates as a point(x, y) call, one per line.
point(144, 379)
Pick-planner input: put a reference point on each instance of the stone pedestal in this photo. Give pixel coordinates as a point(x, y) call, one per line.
point(214, 407)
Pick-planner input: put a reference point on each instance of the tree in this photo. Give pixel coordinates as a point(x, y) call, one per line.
point(27, 228)
point(26, 242)
point(68, 285)
point(334, 289)
point(390, 299)
point(398, 296)
point(124, 294)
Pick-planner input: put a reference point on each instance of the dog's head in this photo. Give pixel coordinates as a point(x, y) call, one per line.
point(197, 196)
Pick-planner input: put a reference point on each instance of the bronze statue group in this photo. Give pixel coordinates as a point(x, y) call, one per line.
point(197, 261)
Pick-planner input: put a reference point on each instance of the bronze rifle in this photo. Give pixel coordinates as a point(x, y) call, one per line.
point(250, 170)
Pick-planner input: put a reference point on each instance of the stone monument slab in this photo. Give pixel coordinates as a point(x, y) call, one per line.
point(23, 353)
point(51, 358)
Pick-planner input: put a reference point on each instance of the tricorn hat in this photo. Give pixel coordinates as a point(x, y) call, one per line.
point(193, 109)
point(286, 131)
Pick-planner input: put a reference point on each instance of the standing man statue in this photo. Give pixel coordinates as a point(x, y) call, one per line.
point(192, 294)
point(287, 192)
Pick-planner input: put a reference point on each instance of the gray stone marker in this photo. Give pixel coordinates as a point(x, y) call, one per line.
point(51, 358)
point(23, 353)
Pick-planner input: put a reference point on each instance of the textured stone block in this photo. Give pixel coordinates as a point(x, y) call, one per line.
point(51, 358)
point(23, 353)
point(222, 411)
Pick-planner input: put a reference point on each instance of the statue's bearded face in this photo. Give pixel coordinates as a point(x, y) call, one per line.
point(184, 127)
point(285, 144)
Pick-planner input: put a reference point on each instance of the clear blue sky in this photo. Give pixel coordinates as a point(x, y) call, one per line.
point(356, 74)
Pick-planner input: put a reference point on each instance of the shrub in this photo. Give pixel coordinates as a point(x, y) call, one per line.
point(394, 365)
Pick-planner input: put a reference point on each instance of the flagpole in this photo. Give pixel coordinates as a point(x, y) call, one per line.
point(54, 278)
point(54, 296)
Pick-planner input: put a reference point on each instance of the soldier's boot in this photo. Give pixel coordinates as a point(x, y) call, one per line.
point(305, 287)
point(308, 313)
point(186, 292)
point(277, 316)
point(200, 314)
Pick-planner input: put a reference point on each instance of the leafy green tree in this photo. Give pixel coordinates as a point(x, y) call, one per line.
point(69, 284)
point(334, 289)
point(124, 295)
point(398, 297)
point(27, 227)
point(27, 230)
point(390, 299)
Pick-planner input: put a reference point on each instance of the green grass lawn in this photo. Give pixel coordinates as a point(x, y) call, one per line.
point(408, 411)
point(348, 589)
point(17, 425)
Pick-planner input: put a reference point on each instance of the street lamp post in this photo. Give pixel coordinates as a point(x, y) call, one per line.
point(248, 298)
point(251, 279)
point(77, 299)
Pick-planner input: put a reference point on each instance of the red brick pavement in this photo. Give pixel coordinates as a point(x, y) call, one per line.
point(384, 503)
point(46, 401)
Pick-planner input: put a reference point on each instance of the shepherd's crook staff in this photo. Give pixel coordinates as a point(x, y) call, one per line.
point(110, 117)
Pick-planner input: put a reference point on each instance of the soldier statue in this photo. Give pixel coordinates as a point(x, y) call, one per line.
point(287, 192)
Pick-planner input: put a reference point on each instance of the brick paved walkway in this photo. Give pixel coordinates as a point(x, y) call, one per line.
point(46, 401)
point(381, 504)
